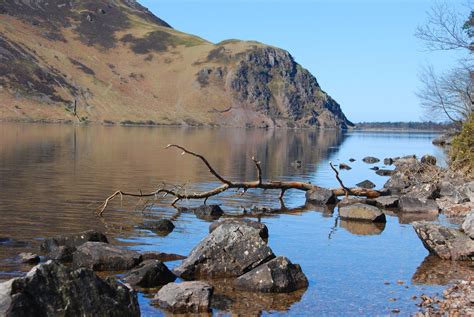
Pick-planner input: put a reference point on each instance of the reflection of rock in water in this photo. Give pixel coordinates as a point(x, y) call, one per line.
point(362, 228)
point(407, 218)
point(327, 210)
point(434, 271)
point(250, 304)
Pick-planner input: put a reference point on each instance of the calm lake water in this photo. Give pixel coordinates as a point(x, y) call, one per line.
point(53, 176)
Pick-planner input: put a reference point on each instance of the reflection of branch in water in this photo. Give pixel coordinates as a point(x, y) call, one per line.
point(334, 228)
point(180, 192)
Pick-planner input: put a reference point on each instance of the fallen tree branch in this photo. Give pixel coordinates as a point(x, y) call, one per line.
point(179, 193)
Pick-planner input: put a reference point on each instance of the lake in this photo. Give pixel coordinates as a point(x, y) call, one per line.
point(53, 177)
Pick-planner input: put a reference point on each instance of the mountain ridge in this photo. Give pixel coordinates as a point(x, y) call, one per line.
point(113, 61)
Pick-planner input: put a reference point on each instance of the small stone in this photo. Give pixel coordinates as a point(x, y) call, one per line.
point(400, 282)
point(428, 159)
point(375, 168)
point(344, 166)
point(370, 160)
point(392, 299)
point(352, 160)
point(151, 273)
point(395, 310)
point(186, 297)
point(29, 258)
point(366, 184)
point(384, 172)
point(160, 227)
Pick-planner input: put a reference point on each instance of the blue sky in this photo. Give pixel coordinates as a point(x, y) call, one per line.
point(363, 53)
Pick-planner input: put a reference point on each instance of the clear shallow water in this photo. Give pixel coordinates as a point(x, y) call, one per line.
point(52, 178)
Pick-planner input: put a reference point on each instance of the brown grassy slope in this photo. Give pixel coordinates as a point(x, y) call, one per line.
point(118, 63)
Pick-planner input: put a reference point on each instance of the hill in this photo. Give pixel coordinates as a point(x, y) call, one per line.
point(113, 61)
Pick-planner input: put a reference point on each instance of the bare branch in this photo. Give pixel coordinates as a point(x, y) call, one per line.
point(346, 190)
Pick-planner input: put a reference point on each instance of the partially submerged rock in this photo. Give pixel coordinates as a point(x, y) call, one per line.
point(205, 212)
point(447, 243)
point(387, 201)
point(101, 256)
point(384, 172)
point(320, 196)
point(388, 161)
point(161, 256)
point(160, 227)
point(229, 251)
point(416, 205)
point(62, 247)
point(28, 258)
point(344, 166)
point(366, 184)
point(186, 297)
point(51, 289)
point(370, 160)
point(276, 276)
point(150, 273)
point(261, 227)
point(362, 212)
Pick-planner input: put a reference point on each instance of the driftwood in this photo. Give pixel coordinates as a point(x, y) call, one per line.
point(178, 193)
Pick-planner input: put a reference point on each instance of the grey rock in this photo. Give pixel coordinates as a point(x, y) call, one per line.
point(375, 168)
point(229, 251)
point(186, 297)
point(29, 258)
point(261, 227)
point(447, 243)
point(428, 159)
point(101, 256)
point(468, 225)
point(387, 201)
point(347, 201)
point(62, 247)
point(205, 212)
point(151, 273)
point(384, 172)
point(370, 160)
point(320, 196)
point(276, 276)
point(423, 192)
point(455, 194)
point(160, 227)
point(362, 212)
point(51, 289)
point(352, 160)
point(468, 190)
point(344, 166)
point(296, 164)
point(366, 184)
point(416, 205)
point(388, 161)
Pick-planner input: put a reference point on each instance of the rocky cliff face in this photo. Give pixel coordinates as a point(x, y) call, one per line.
point(113, 61)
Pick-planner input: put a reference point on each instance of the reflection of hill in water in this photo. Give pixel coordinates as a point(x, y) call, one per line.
point(50, 174)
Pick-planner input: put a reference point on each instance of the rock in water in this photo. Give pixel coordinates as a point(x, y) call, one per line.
point(276, 276)
point(51, 289)
point(229, 251)
point(384, 172)
point(387, 201)
point(101, 256)
point(29, 258)
point(344, 166)
point(366, 184)
point(151, 273)
point(205, 212)
point(468, 225)
point(62, 247)
point(320, 196)
point(362, 212)
point(246, 222)
point(160, 227)
point(370, 160)
point(186, 297)
point(447, 243)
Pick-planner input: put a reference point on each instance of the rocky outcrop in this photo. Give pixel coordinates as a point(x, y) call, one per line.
point(276, 276)
point(229, 251)
point(447, 243)
point(151, 273)
point(51, 289)
point(186, 297)
point(362, 212)
point(101, 256)
point(468, 225)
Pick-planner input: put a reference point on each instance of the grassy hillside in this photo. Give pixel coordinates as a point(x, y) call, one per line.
point(114, 62)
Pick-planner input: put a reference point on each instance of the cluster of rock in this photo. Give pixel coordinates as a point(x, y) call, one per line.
point(235, 250)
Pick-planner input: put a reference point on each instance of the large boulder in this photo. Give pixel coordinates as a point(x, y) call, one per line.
point(62, 247)
point(276, 276)
point(452, 192)
point(186, 297)
point(362, 212)
point(101, 256)
point(51, 289)
point(229, 251)
point(468, 225)
point(320, 196)
point(447, 243)
point(468, 190)
point(417, 205)
point(151, 273)
point(261, 227)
